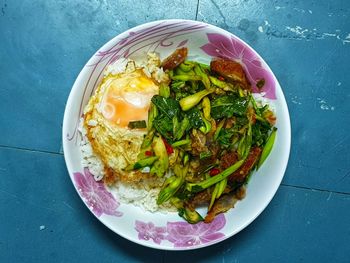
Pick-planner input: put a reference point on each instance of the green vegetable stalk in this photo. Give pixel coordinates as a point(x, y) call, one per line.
point(268, 147)
point(137, 124)
point(186, 77)
point(206, 108)
point(217, 192)
point(192, 100)
point(161, 165)
point(146, 144)
point(153, 112)
point(186, 66)
point(178, 133)
point(192, 217)
point(142, 163)
point(218, 129)
point(204, 77)
point(181, 143)
point(221, 84)
point(164, 90)
point(197, 187)
point(245, 143)
point(172, 184)
point(207, 126)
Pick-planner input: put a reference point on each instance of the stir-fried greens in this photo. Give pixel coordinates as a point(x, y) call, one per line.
point(206, 128)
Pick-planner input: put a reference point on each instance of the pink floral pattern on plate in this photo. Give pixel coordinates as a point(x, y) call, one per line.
point(232, 48)
point(95, 194)
point(149, 231)
point(182, 234)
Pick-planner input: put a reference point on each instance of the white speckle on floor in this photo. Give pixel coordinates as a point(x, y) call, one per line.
point(279, 7)
point(347, 39)
point(308, 34)
point(329, 196)
point(299, 10)
point(295, 100)
point(329, 35)
point(310, 11)
point(339, 83)
point(260, 28)
point(42, 227)
point(324, 105)
point(298, 30)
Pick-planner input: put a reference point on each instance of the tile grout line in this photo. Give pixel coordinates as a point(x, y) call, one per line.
point(29, 150)
point(197, 10)
point(315, 189)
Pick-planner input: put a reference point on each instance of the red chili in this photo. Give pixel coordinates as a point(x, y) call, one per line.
point(168, 147)
point(214, 171)
point(221, 78)
point(148, 153)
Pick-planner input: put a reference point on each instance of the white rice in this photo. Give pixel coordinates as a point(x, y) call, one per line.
point(143, 194)
point(89, 159)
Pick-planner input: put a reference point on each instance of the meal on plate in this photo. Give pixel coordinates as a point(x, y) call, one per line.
point(177, 135)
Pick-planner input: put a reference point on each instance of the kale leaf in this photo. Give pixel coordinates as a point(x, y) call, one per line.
point(195, 118)
point(228, 105)
point(166, 106)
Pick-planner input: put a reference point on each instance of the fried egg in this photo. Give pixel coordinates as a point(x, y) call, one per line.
point(119, 99)
point(127, 97)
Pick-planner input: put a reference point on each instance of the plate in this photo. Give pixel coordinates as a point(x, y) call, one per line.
point(167, 230)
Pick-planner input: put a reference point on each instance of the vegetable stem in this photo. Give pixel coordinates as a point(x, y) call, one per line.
point(206, 108)
point(164, 90)
point(268, 147)
point(192, 100)
point(181, 143)
point(218, 129)
point(197, 187)
point(137, 124)
point(183, 77)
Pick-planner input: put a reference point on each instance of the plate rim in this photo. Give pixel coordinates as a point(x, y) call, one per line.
point(281, 99)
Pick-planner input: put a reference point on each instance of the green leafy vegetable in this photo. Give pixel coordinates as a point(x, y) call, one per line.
point(195, 118)
point(228, 105)
point(204, 155)
point(166, 106)
point(194, 125)
point(164, 126)
point(224, 137)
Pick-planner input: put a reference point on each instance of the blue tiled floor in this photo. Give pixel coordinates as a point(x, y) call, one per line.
point(44, 45)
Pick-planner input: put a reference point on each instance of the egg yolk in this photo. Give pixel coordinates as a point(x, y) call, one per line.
point(128, 98)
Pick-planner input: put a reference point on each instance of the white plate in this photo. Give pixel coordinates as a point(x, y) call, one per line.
point(169, 231)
